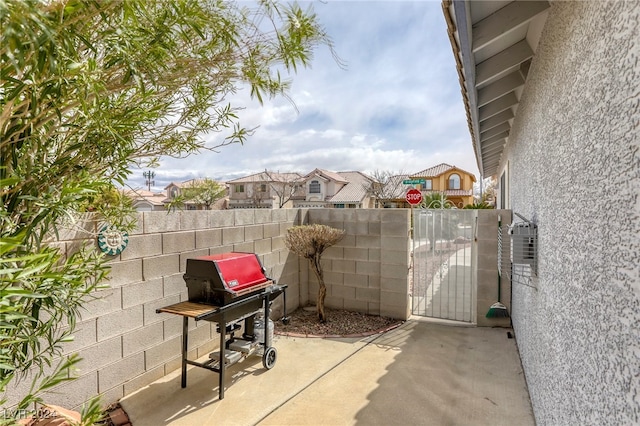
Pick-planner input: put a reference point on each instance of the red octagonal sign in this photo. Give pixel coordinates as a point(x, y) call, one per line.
point(414, 196)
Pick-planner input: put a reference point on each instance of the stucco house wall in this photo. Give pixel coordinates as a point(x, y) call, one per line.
point(574, 169)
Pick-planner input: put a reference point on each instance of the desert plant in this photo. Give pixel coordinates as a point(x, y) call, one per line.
point(436, 200)
point(478, 206)
point(310, 242)
point(89, 89)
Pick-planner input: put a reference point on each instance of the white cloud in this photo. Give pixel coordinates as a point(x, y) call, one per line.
point(397, 105)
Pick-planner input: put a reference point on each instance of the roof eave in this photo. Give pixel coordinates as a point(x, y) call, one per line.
point(493, 55)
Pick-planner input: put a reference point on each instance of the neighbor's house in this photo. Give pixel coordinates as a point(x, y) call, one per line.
point(328, 189)
point(454, 183)
point(320, 188)
point(553, 105)
point(146, 201)
point(392, 192)
point(174, 190)
point(265, 190)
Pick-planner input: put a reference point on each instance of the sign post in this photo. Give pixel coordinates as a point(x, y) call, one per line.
point(413, 197)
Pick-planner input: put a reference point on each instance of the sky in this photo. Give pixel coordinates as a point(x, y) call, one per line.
point(395, 107)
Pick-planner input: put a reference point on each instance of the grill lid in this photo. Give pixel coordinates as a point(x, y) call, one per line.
point(233, 274)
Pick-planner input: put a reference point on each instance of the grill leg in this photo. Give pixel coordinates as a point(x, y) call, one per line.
point(284, 306)
point(267, 339)
point(185, 334)
point(223, 366)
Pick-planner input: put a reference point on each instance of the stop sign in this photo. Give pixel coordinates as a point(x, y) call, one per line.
point(414, 196)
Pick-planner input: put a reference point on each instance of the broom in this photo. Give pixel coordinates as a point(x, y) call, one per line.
point(498, 310)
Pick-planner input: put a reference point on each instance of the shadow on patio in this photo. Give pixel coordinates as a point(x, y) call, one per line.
point(419, 373)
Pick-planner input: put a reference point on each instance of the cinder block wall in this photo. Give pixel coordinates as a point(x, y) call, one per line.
point(125, 345)
point(368, 270)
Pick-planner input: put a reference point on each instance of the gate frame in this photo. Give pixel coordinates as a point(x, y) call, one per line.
point(469, 313)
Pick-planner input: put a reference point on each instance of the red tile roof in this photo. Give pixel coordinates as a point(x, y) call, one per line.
point(268, 177)
point(354, 191)
point(326, 174)
point(439, 170)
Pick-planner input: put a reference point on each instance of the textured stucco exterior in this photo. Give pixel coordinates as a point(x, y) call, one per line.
point(574, 169)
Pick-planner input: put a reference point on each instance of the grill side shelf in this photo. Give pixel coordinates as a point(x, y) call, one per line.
point(193, 310)
point(200, 311)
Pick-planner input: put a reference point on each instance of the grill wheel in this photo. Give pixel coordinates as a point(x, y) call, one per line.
point(269, 358)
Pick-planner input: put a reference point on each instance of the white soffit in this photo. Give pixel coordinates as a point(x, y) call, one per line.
point(494, 43)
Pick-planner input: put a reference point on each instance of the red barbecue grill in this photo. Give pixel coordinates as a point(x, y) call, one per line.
point(227, 289)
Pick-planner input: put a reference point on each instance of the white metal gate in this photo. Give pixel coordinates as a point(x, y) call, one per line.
point(443, 285)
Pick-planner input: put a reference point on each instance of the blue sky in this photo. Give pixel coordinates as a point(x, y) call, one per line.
point(396, 107)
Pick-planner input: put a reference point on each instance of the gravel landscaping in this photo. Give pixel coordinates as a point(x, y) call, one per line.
point(340, 322)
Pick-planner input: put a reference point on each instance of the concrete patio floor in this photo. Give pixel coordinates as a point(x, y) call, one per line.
point(421, 373)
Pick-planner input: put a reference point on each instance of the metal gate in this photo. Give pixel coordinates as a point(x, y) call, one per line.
point(443, 285)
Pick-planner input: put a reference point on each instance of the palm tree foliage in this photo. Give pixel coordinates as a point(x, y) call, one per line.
point(436, 200)
point(479, 205)
point(88, 90)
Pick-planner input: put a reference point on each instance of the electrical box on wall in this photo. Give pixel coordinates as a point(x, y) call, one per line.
point(524, 243)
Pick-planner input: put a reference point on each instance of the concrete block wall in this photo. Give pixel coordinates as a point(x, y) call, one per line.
point(368, 270)
point(125, 345)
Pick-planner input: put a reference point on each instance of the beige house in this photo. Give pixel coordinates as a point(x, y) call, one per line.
point(324, 188)
point(319, 188)
point(146, 201)
point(456, 184)
point(265, 190)
point(173, 190)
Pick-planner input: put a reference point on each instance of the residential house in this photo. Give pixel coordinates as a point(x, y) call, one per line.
point(320, 188)
point(456, 184)
point(265, 190)
point(391, 192)
point(353, 189)
point(355, 194)
point(324, 188)
point(174, 190)
point(552, 101)
point(146, 201)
